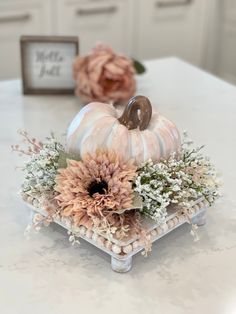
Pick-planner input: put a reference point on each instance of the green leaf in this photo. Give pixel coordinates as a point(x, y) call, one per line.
point(137, 201)
point(137, 204)
point(139, 67)
point(63, 156)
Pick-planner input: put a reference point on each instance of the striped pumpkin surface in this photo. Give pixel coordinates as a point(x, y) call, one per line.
point(96, 126)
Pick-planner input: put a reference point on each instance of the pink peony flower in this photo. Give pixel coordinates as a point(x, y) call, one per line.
point(104, 76)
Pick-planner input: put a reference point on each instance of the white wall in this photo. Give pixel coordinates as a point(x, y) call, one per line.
point(202, 32)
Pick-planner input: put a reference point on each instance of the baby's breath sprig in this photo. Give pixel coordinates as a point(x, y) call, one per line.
point(40, 171)
point(178, 180)
point(41, 168)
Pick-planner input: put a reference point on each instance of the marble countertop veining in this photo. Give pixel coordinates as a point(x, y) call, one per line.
point(46, 275)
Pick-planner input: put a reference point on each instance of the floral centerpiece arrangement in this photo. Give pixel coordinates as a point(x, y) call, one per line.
point(100, 188)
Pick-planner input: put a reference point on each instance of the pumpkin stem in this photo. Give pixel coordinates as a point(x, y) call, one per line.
point(137, 113)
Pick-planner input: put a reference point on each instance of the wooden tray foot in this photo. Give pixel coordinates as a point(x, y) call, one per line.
point(200, 219)
point(121, 265)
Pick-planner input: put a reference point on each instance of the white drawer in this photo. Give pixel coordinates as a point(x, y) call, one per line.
point(93, 21)
point(171, 28)
point(19, 18)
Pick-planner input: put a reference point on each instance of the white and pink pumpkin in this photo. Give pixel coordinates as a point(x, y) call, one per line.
point(136, 134)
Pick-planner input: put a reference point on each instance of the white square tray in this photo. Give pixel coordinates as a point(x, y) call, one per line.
point(121, 252)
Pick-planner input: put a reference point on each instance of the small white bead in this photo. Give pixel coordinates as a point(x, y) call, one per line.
point(63, 220)
point(76, 229)
point(164, 227)
point(180, 218)
point(154, 232)
point(89, 233)
point(82, 230)
point(135, 244)
point(199, 205)
point(170, 223)
point(95, 236)
point(108, 245)
point(100, 241)
point(159, 230)
point(67, 222)
point(35, 202)
point(127, 249)
point(24, 196)
point(196, 208)
point(202, 205)
point(116, 249)
point(176, 220)
point(30, 200)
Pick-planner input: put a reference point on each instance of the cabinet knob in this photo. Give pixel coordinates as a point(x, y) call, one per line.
point(15, 18)
point(172, 3)
point(95, 11)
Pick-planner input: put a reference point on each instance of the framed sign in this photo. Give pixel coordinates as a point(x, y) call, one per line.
point(46, 64)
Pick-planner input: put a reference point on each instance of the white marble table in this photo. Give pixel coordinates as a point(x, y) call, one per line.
point(46, 275)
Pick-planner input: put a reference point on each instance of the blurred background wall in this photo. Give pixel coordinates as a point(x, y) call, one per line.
point(202, 32)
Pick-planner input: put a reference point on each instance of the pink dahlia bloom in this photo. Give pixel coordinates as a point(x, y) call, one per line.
point(104, 76)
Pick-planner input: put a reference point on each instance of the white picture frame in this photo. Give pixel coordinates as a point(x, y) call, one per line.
point(47, 64)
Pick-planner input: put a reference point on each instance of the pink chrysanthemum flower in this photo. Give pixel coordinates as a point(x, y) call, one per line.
point(96, 188)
